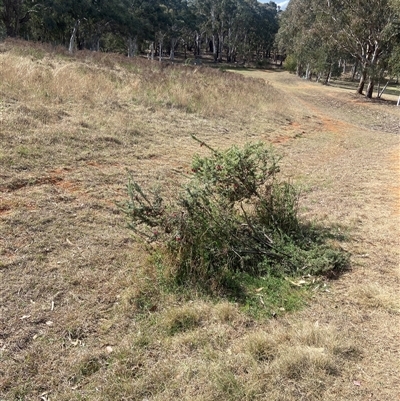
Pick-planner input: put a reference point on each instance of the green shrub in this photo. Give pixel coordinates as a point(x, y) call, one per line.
point(290, 63)
point(233, 216)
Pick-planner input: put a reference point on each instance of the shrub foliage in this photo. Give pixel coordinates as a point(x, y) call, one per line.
point(233, 216)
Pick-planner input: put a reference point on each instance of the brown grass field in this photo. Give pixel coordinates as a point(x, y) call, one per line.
point(82, 315)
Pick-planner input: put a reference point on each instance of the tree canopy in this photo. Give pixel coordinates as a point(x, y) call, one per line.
point(228, 28)
point(319, 33)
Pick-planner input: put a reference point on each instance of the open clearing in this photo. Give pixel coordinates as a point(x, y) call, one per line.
point(80, 316)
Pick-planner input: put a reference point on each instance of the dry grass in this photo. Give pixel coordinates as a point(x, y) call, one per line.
point(376, 296)
point(217, 360)
point(95, 79)
point(83, 314)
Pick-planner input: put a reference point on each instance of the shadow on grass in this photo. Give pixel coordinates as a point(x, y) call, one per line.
point(310, 255)
point(208, 61)
point(392, 89)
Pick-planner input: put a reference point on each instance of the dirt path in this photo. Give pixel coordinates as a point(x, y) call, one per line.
point(346, 154)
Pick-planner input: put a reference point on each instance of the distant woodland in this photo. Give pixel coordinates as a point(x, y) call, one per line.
point(316, 38)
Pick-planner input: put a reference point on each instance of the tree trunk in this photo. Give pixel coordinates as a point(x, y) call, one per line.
point(229, 47)
point(374, 62)
point(380, 93)
point(151, 51)
point(172, 52)
point(72, 40)
point(299, 70)
point(370, 88)
point(362, 81)
point(197, 47)
point(215, 48)
point(220, 46)
point(95, 42)
point(308, 72)
point(328, 76)
point(354, 70)
point(132, 46)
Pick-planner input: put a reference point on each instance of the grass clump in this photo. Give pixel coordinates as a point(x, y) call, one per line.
point(299, 362)
point(261, 346)
point(234, 227)
point(182, 319)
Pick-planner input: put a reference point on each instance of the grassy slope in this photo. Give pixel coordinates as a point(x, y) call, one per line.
point(74, 286)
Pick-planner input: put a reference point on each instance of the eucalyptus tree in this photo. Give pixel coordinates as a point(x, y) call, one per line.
point(69, 22)
point(269, 25)
point(364, 29)
point(394, 63)
point(240, 22)
point(179, 20)
point(216, 20)
point(141, 23)
point(299, 35)
point(69, 19)
point(237, 26)
point(228, 27)
point(192, 32)
point(15, 14)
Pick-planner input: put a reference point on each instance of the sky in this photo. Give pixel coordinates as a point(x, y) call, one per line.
point(280, 3)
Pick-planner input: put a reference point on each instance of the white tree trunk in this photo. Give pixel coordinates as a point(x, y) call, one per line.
point(172, 53)
point(132, 46)
point(220, 45)
point(380, 93)
point(308, 72)
point(215, 50)
point(151, 51)
point(198, 45)
point(72, 40)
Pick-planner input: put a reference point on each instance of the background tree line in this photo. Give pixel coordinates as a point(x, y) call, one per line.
point(322, 37)
point(229, 29)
